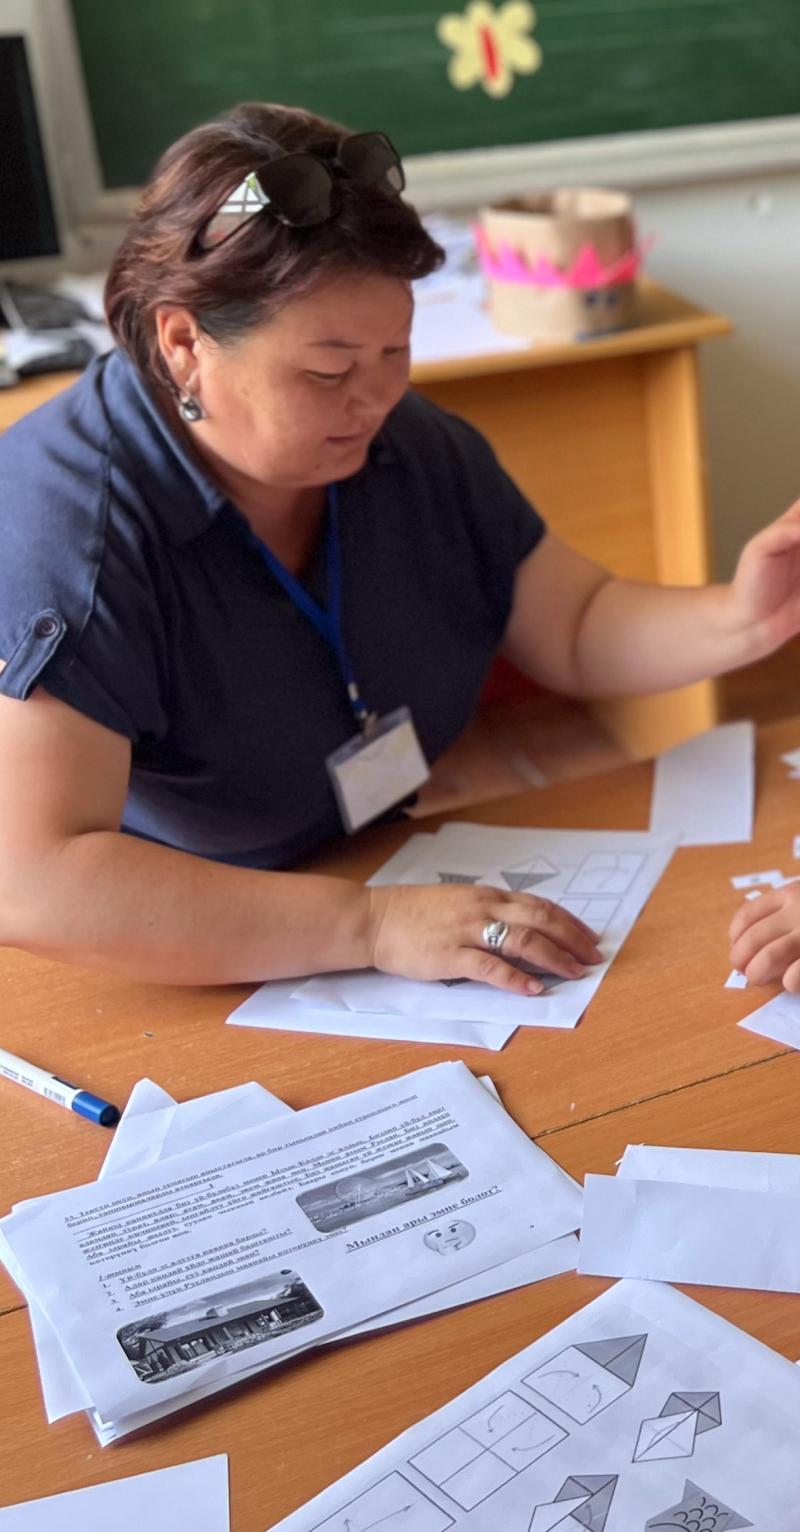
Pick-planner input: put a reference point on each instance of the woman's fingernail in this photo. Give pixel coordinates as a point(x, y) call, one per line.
point(533, 987)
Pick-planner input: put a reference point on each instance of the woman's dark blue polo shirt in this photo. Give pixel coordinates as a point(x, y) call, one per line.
point(131, 589)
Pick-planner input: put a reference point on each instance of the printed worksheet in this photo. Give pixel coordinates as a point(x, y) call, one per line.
point(154, 1126)
point(643, 1412)
point(603, 877)
point(202, 1262)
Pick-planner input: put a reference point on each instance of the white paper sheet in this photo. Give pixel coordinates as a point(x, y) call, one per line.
point(603, 877)
point(735, 980)
point(703, 791)
point(551, 1260)
point(770, 879)
point(55, 1239)
point(779, 1020)
point(456, 323)
point(272, 1008)
point(680, 1232)
point(194, 1123)
point(154, 1126)
point(189, 1495)
point(739, 1168)
point(642, 1411)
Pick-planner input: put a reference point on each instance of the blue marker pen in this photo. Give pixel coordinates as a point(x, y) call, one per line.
point(60, 1091)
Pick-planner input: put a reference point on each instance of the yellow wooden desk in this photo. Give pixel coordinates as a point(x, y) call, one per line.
point(657, 1058)
point(606, 438)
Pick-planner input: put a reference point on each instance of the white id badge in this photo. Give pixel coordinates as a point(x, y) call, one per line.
point(374, 771)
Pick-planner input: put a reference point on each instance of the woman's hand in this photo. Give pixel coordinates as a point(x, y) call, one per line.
point(765, 938)
point(765, 593)
point(436, 932)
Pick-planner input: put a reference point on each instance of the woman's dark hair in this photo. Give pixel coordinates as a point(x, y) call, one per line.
point(246, 280)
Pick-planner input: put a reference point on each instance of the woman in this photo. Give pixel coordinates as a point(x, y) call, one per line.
point(236, 539)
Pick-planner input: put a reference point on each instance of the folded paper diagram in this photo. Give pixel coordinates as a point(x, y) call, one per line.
point(673, 1433)
point(584, 1500)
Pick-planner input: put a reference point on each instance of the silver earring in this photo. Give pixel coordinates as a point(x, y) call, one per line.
point(190, 408)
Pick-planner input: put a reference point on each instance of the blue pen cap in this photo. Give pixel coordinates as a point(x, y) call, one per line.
point(96, 1110)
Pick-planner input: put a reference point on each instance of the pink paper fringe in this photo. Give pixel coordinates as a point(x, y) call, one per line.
point(505, 264)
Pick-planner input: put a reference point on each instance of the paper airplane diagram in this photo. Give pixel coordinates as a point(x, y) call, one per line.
point(583, 1501)
point(458, 877)
point(697, 1509)
point(673, 1432)
point(585, 1379)
point(525, 875)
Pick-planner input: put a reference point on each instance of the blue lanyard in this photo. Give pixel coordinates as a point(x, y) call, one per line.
point(326, 619)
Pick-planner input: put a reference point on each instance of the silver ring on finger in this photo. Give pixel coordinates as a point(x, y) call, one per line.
point(494, 934)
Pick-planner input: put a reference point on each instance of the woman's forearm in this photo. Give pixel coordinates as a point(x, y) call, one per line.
point(580, 630)
point(129, 907)
point(634, 638)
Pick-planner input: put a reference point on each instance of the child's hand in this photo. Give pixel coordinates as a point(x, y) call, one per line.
point(765, 938)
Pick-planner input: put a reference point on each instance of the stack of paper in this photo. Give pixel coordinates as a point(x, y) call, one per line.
point(643, 1412)
point(228, 1233)
point(723, 1217)
point(603, 877)
point(190, 1495)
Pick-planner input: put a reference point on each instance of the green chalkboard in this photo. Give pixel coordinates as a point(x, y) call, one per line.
point(156, 67)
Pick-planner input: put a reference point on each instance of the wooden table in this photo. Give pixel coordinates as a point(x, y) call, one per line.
point(658, 1058)
point(605, 436)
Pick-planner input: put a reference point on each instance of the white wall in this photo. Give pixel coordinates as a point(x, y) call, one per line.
point(734, 245)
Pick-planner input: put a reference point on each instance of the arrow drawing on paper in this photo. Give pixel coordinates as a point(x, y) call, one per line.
point(350, 1526)
point(401, 1511)
point(586, 1378)
point(531, 1445)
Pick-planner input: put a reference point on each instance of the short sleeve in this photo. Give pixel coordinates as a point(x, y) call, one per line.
point(79, 613)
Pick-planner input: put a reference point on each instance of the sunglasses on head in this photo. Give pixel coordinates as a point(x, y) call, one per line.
point(299, 189)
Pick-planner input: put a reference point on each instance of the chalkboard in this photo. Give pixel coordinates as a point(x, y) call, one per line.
point(156, 67)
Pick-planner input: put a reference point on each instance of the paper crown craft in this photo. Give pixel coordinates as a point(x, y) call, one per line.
point(561, 265)
point(586, 271)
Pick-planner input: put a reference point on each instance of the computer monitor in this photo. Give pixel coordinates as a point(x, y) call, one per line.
point(49, 174)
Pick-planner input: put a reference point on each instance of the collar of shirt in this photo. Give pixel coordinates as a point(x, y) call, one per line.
point(187, 500)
